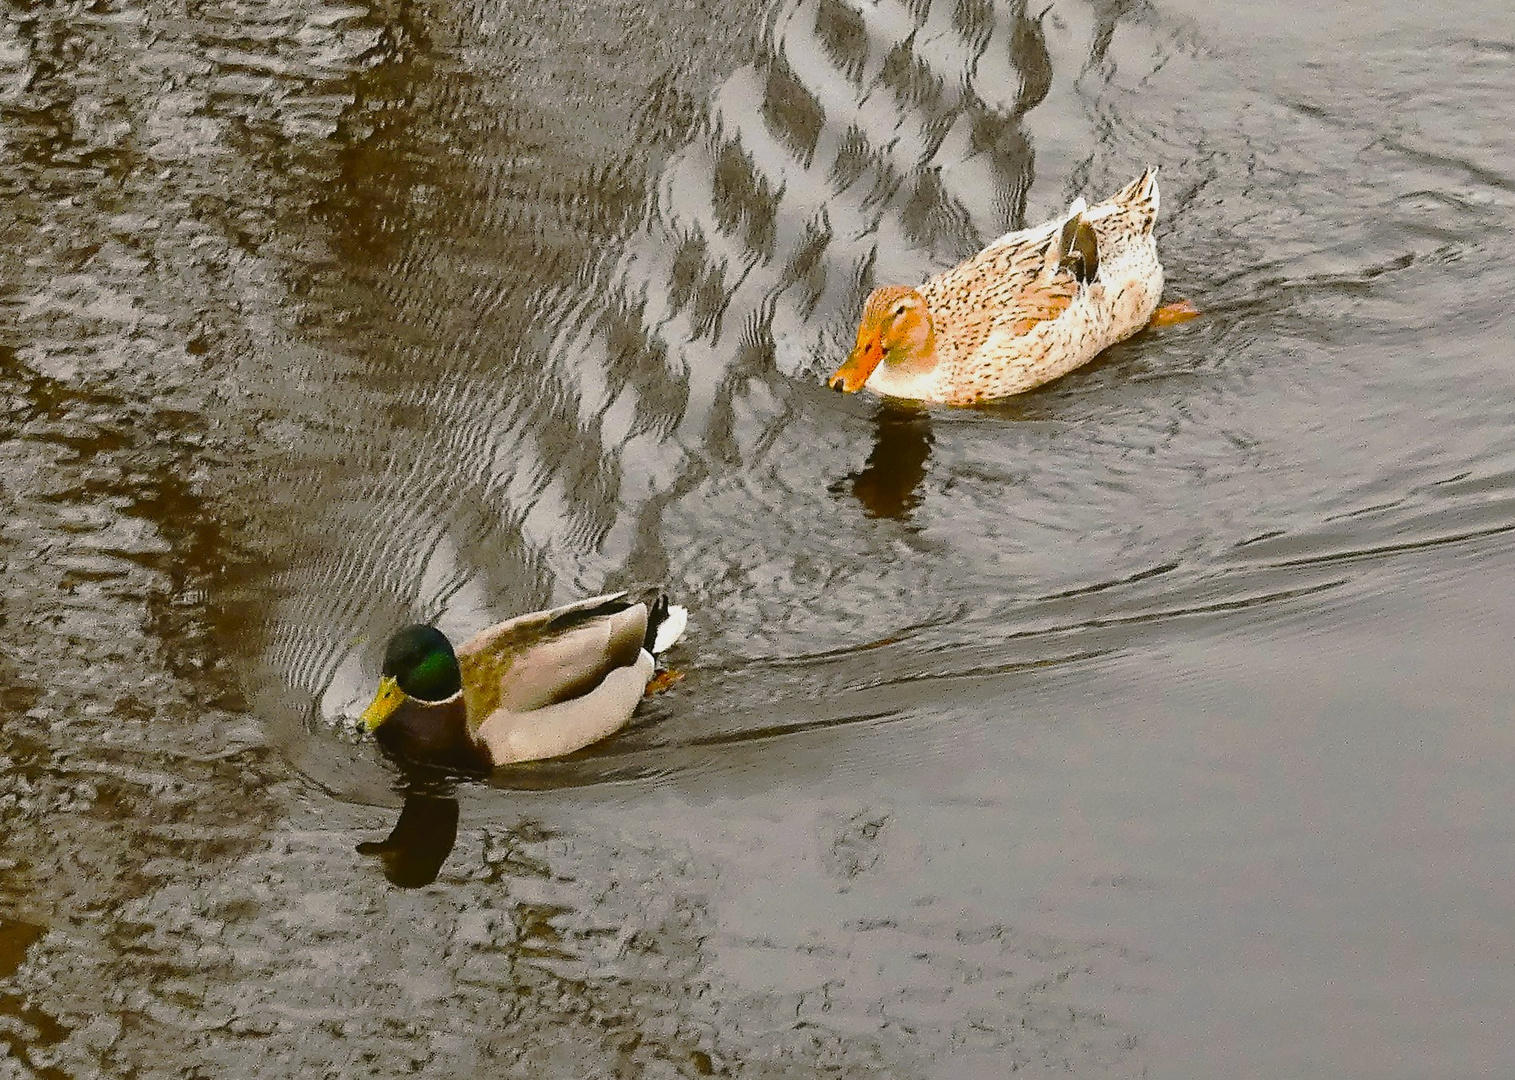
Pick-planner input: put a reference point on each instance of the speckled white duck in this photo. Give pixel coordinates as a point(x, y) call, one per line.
point(1027, 309)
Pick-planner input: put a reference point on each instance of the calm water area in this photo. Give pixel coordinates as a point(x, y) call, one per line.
point(1156, 723)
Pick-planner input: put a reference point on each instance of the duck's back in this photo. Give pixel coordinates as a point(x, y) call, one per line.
point(1005, 277)
point(1014, 316)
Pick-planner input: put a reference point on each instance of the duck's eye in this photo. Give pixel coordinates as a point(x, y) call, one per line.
point(899, 309)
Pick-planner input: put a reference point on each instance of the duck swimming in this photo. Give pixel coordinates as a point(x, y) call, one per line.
point(537, 686)
point(1025, 310)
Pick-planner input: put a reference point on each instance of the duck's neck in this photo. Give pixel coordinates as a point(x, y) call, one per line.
point(916, 358)
point(434, 733)
point(906, 371)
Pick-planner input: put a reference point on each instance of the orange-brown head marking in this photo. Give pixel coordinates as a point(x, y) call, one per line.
point(895, 326)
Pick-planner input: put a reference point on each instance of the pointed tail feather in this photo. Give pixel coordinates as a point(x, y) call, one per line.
point(1141, 190)
point(665, 624)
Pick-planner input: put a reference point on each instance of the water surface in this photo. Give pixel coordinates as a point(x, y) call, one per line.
point(1153, 723)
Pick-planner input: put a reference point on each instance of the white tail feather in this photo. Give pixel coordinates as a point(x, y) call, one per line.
point(670, 629)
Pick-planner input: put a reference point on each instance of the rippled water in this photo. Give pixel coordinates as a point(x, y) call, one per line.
point(1156, 722)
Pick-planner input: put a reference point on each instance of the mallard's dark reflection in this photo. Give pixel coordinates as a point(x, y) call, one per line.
point(888, 484)
point(413, 853)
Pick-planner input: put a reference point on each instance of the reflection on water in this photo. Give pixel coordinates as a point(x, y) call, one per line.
point(415, 849)
point(27, 1034)
point(318, 319)
point(16, 938)
point(544, 410)
point(888, 484)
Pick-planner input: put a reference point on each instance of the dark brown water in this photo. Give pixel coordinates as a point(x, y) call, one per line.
point(1155, 724)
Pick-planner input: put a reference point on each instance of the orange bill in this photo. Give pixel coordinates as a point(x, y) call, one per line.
point(851, 376)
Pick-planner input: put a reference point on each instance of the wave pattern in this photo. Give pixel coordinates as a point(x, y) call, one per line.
point(544, 415)
point(316, 316)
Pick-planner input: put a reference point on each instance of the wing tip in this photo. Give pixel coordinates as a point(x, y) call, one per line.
point(1077, 247)
point(1143, 189)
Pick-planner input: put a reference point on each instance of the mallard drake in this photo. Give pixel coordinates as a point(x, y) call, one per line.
point(1030, 307)
point(536, 686)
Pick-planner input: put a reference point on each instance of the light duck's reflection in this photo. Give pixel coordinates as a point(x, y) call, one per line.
point(888, 485)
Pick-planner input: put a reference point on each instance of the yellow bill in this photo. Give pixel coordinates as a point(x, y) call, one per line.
point(389, 698)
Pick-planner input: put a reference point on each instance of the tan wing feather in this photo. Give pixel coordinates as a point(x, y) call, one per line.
point(1131, 212)
point(510, 736)
point(548, 657)
point(1013, 287)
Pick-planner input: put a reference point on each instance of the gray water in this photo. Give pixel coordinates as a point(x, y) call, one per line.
point(1156, 723)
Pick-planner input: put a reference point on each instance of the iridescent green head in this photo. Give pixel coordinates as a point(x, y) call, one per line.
point(418, 663)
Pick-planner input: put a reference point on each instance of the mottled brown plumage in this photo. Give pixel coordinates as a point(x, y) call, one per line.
point(1028, 308)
